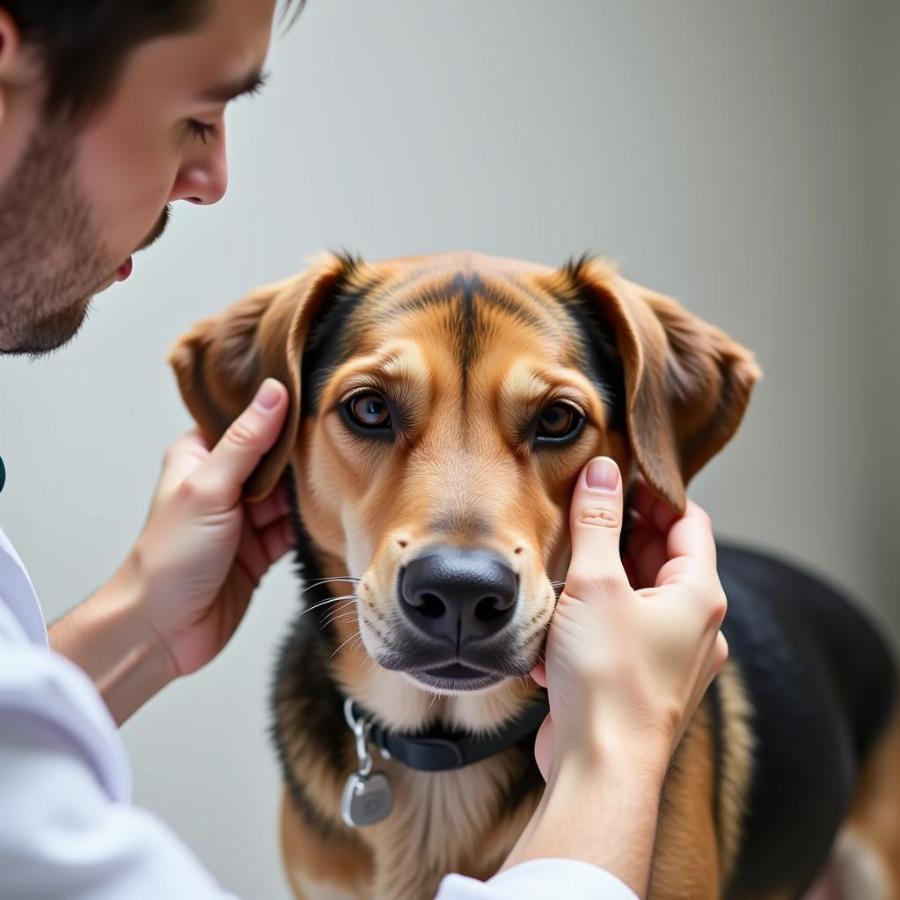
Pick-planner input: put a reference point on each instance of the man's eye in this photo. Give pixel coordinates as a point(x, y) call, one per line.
point(202, 130)
point(368, 412)
point(559, 422)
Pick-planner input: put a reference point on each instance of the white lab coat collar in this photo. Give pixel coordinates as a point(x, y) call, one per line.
point(19, 594)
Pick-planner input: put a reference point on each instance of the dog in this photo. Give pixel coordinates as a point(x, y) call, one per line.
point(441, 409)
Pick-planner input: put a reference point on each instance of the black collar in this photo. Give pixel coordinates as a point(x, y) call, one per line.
point(439, 750)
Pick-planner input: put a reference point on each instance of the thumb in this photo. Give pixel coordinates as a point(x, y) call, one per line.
point(240, 449)
point(595, 521)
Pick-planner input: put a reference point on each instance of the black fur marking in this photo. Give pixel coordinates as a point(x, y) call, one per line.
point(713, 700)
point(302, 681)
point(508, 306)
point(327, 346)
point(600, 352)
point(468, 337)
point(451, 293)
point(467, 294)
point(821, 685)
point(527, 782)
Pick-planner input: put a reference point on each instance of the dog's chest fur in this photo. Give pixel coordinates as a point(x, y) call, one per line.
point(462, 821)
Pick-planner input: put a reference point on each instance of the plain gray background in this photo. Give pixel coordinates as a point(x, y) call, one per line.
point(742, 156)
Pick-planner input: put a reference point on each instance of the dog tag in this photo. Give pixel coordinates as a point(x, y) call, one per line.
point(367, 799)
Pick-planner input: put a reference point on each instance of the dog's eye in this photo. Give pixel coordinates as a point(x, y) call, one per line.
point(559, 422)
point(369, 411)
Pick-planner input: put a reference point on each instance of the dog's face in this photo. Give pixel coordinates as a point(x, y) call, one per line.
point(442, 409)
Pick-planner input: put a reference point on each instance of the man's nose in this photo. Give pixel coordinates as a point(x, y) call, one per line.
point(203, 180)
point(458, 595)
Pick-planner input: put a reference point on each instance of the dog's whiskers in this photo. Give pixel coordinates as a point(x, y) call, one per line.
point(340, 616)
point(356, 634)
point(349, 579)
point(350, 597)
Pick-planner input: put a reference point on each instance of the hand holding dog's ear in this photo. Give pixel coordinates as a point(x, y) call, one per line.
point(625, 668)
point(203, 550)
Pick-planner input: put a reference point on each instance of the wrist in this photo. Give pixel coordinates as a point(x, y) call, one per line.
point(601, 807)
point(609, 767)
point(111, 639)
point(593, 753)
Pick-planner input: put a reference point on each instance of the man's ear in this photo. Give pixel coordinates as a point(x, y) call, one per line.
point(687, 384)
point(221, 361)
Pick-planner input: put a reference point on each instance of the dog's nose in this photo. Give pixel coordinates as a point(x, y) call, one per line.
point(458, 595)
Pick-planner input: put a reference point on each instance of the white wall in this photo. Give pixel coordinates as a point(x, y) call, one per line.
point(739, 155)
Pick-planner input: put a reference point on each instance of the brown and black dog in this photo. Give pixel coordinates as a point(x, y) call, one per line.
point(441, 408)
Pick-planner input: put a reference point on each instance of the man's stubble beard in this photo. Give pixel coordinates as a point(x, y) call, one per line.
point(52, 258)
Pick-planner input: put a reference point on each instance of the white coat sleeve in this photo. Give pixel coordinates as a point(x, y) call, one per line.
point(67, 828)
point(539, 879)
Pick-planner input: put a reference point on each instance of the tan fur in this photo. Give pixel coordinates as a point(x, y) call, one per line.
point(458, 474)
point(737, 748)
point(341, 866)
point(868, 855)
point(686, 858)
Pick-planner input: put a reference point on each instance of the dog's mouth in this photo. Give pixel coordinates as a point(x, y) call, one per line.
point(456, 677)
point(442, 670)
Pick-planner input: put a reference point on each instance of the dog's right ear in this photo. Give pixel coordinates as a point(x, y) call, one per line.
point(221, 361)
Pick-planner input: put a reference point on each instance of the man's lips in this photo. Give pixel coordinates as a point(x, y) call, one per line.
point(124, 270)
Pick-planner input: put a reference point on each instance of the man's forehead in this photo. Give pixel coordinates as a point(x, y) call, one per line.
point(216, 61)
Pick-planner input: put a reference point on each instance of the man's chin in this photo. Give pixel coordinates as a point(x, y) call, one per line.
point(45, 335)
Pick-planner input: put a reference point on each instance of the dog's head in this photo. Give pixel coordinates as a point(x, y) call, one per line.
point(441, 409)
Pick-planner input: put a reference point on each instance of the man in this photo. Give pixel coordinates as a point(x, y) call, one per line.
point(109, 112)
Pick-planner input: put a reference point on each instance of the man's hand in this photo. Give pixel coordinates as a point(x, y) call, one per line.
point(203, 550)
point(184, 588)
point(625, 670)
point(629, 657)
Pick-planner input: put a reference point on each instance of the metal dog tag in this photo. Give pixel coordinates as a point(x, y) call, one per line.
point(366, 800)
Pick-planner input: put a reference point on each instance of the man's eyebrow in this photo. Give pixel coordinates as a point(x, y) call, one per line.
point(223, 93)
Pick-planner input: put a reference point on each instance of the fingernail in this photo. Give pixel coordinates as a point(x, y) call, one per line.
point(268, 395)
point(602, 474)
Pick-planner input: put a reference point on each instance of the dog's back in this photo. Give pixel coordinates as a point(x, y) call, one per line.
point(821, 687)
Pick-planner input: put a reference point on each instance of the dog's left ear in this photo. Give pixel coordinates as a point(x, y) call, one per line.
point(687, 383)
point(221, 361)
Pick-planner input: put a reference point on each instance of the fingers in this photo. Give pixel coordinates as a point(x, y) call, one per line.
point(259, 550)
point(596, 524)
point(180, 460)
point(229, 464)
point(651, 506)
point(647, 552)
point(691, 549)
point(667, 547)
point(277, 539)
point(266, 511)
point(692, 535)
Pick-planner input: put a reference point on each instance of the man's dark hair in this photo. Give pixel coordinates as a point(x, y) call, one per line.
point(84, 45)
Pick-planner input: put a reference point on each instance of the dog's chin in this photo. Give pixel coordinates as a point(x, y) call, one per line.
point(454, 679)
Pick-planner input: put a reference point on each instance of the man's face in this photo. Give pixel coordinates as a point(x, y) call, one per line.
point(81, 199)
